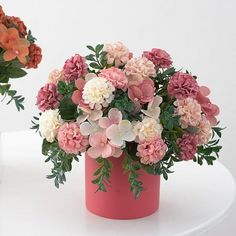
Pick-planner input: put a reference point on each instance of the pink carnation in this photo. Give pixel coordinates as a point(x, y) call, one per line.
point(159, 57)
point(48, 97)
point(116, 76)
point(209, 109)
point(188, 146)
point(70, 138)
point(117, 53)
point(74, 68)
point(143, 92)
point(138, 69)
point(182, 85)
point(204, 132)
point(189, 111)
point(151, 151)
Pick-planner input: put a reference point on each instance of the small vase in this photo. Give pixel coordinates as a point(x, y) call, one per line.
point(118, 202)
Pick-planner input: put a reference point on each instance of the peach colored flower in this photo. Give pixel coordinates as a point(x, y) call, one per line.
point(70, 138)
point(116, 76)
point(119, 133)
point(159, 57)
point(55, 76)
point(117, 53)
point(138, 69)
point(210, 110)
point(114, 117)
point(89, 127)
point(153, 109)
point(189, 111)
point(147, 128)
point(143, 92)
point(182, 85)
point(204, 132)
point(188, 146)
point(151, 151)
point(12, 21)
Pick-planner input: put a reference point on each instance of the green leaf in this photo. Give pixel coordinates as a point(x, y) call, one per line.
point(62, 87)
point(90, 48)
point(14, 72)
point(95, 65)
point(67, 109)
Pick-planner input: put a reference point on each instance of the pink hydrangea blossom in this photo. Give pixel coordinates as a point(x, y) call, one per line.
point(74, 68)
point(151, 151)
point(189, 111)
point(143, 92)
point(70, 138)
point(116, 76)
point(204, 132)
point(159, 57)
point(210, 110)
point(188, 146)
point(114, 117)
point(139, 69)
point(77, 96)
point(182, 85)
point(48, 97)
point(100, 147)
point(117, 53)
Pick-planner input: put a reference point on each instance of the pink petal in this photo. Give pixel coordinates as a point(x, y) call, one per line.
point(104, 122)
point(205, 91)
point(95, 115)
point(94, 152)
point(79, 83)
point(76, 97)
point(96, 139)
point(113, 134)
point(115, 116)
point(107, 151)
point(117, 152)
point(82, 118)
point(86, 128)
point(137, 92)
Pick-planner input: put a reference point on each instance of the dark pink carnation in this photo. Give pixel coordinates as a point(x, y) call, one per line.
point(159, 57)
point(143, 92)
point(48, 97)
point(74, 68)
point(182, 85)
point(188, 146)
point(210, 110)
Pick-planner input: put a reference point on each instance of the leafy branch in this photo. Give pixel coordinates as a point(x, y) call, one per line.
point(35, 123)
point(132, 167)
point(102, 174)
point(97, 57)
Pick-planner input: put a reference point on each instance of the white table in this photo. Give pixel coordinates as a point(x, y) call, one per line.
point(193, 200)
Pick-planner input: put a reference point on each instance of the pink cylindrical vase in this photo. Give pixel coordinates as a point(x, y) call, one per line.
point(118, 202)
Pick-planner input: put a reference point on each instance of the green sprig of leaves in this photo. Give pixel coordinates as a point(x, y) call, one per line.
point(35, 123)
point(102, 174)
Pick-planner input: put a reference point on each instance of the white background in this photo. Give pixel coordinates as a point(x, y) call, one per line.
point(200, 36)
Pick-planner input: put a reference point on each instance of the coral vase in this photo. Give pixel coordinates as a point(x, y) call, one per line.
point(118, 202)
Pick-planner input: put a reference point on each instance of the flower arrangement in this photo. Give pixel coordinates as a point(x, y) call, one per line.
point(111, 104)
point(17, 50)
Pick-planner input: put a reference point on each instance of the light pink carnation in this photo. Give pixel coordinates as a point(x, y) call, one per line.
point(116, 76)
point(143, 92)
point(209, 109)
point(74, 68)
point(182, 85)
point(55, 76)
point(159, 57)
point(48, 97)
point(151, 151)
point(188, 146)
point(204, 132)
point(117, 53)
point(70, 138)
point(138, 69)
point(189, 111)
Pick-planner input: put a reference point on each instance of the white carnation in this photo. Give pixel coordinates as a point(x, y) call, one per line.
point(148, 128)
point(98, 91)
point(49, 123)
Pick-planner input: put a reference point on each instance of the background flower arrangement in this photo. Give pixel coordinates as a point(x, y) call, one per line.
point(17, 50)
point(143, 110)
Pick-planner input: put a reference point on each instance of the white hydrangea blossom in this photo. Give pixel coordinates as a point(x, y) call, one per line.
point(49, 123)
point(98, 92)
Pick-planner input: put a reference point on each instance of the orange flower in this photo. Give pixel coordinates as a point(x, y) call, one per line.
point(13, 44)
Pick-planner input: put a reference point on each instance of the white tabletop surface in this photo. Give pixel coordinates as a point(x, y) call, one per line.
point(193, 200)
